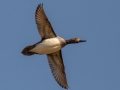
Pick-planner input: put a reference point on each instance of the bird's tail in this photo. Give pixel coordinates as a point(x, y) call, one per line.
point(26, 50)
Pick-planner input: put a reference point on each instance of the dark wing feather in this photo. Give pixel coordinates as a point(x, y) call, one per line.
point(44, 27)
point(57, 68)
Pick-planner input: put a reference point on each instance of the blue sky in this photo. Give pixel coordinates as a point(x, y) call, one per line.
point(94, 65)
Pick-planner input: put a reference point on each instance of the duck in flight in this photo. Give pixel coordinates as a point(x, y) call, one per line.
point(51, 45)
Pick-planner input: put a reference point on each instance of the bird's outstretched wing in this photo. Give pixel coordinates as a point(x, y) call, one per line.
point(57, 68)
point(44, 27)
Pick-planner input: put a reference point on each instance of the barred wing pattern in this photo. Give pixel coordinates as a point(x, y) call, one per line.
point(57, 68)
point(44, 27)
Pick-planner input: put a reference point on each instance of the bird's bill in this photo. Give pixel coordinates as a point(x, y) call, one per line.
point(82, 40)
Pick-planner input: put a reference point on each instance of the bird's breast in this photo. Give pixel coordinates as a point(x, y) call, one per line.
point(47, 46)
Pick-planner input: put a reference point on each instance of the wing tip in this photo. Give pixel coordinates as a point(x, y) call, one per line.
point(40, 5)
point(39, 8)
point(65, 87)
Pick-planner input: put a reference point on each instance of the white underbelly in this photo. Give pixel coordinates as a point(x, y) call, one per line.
point(47, 46)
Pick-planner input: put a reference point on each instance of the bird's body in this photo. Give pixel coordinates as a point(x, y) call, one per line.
point(48, 46)
point(51, 45)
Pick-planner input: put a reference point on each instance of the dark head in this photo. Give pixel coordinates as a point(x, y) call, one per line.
point(74, 40)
